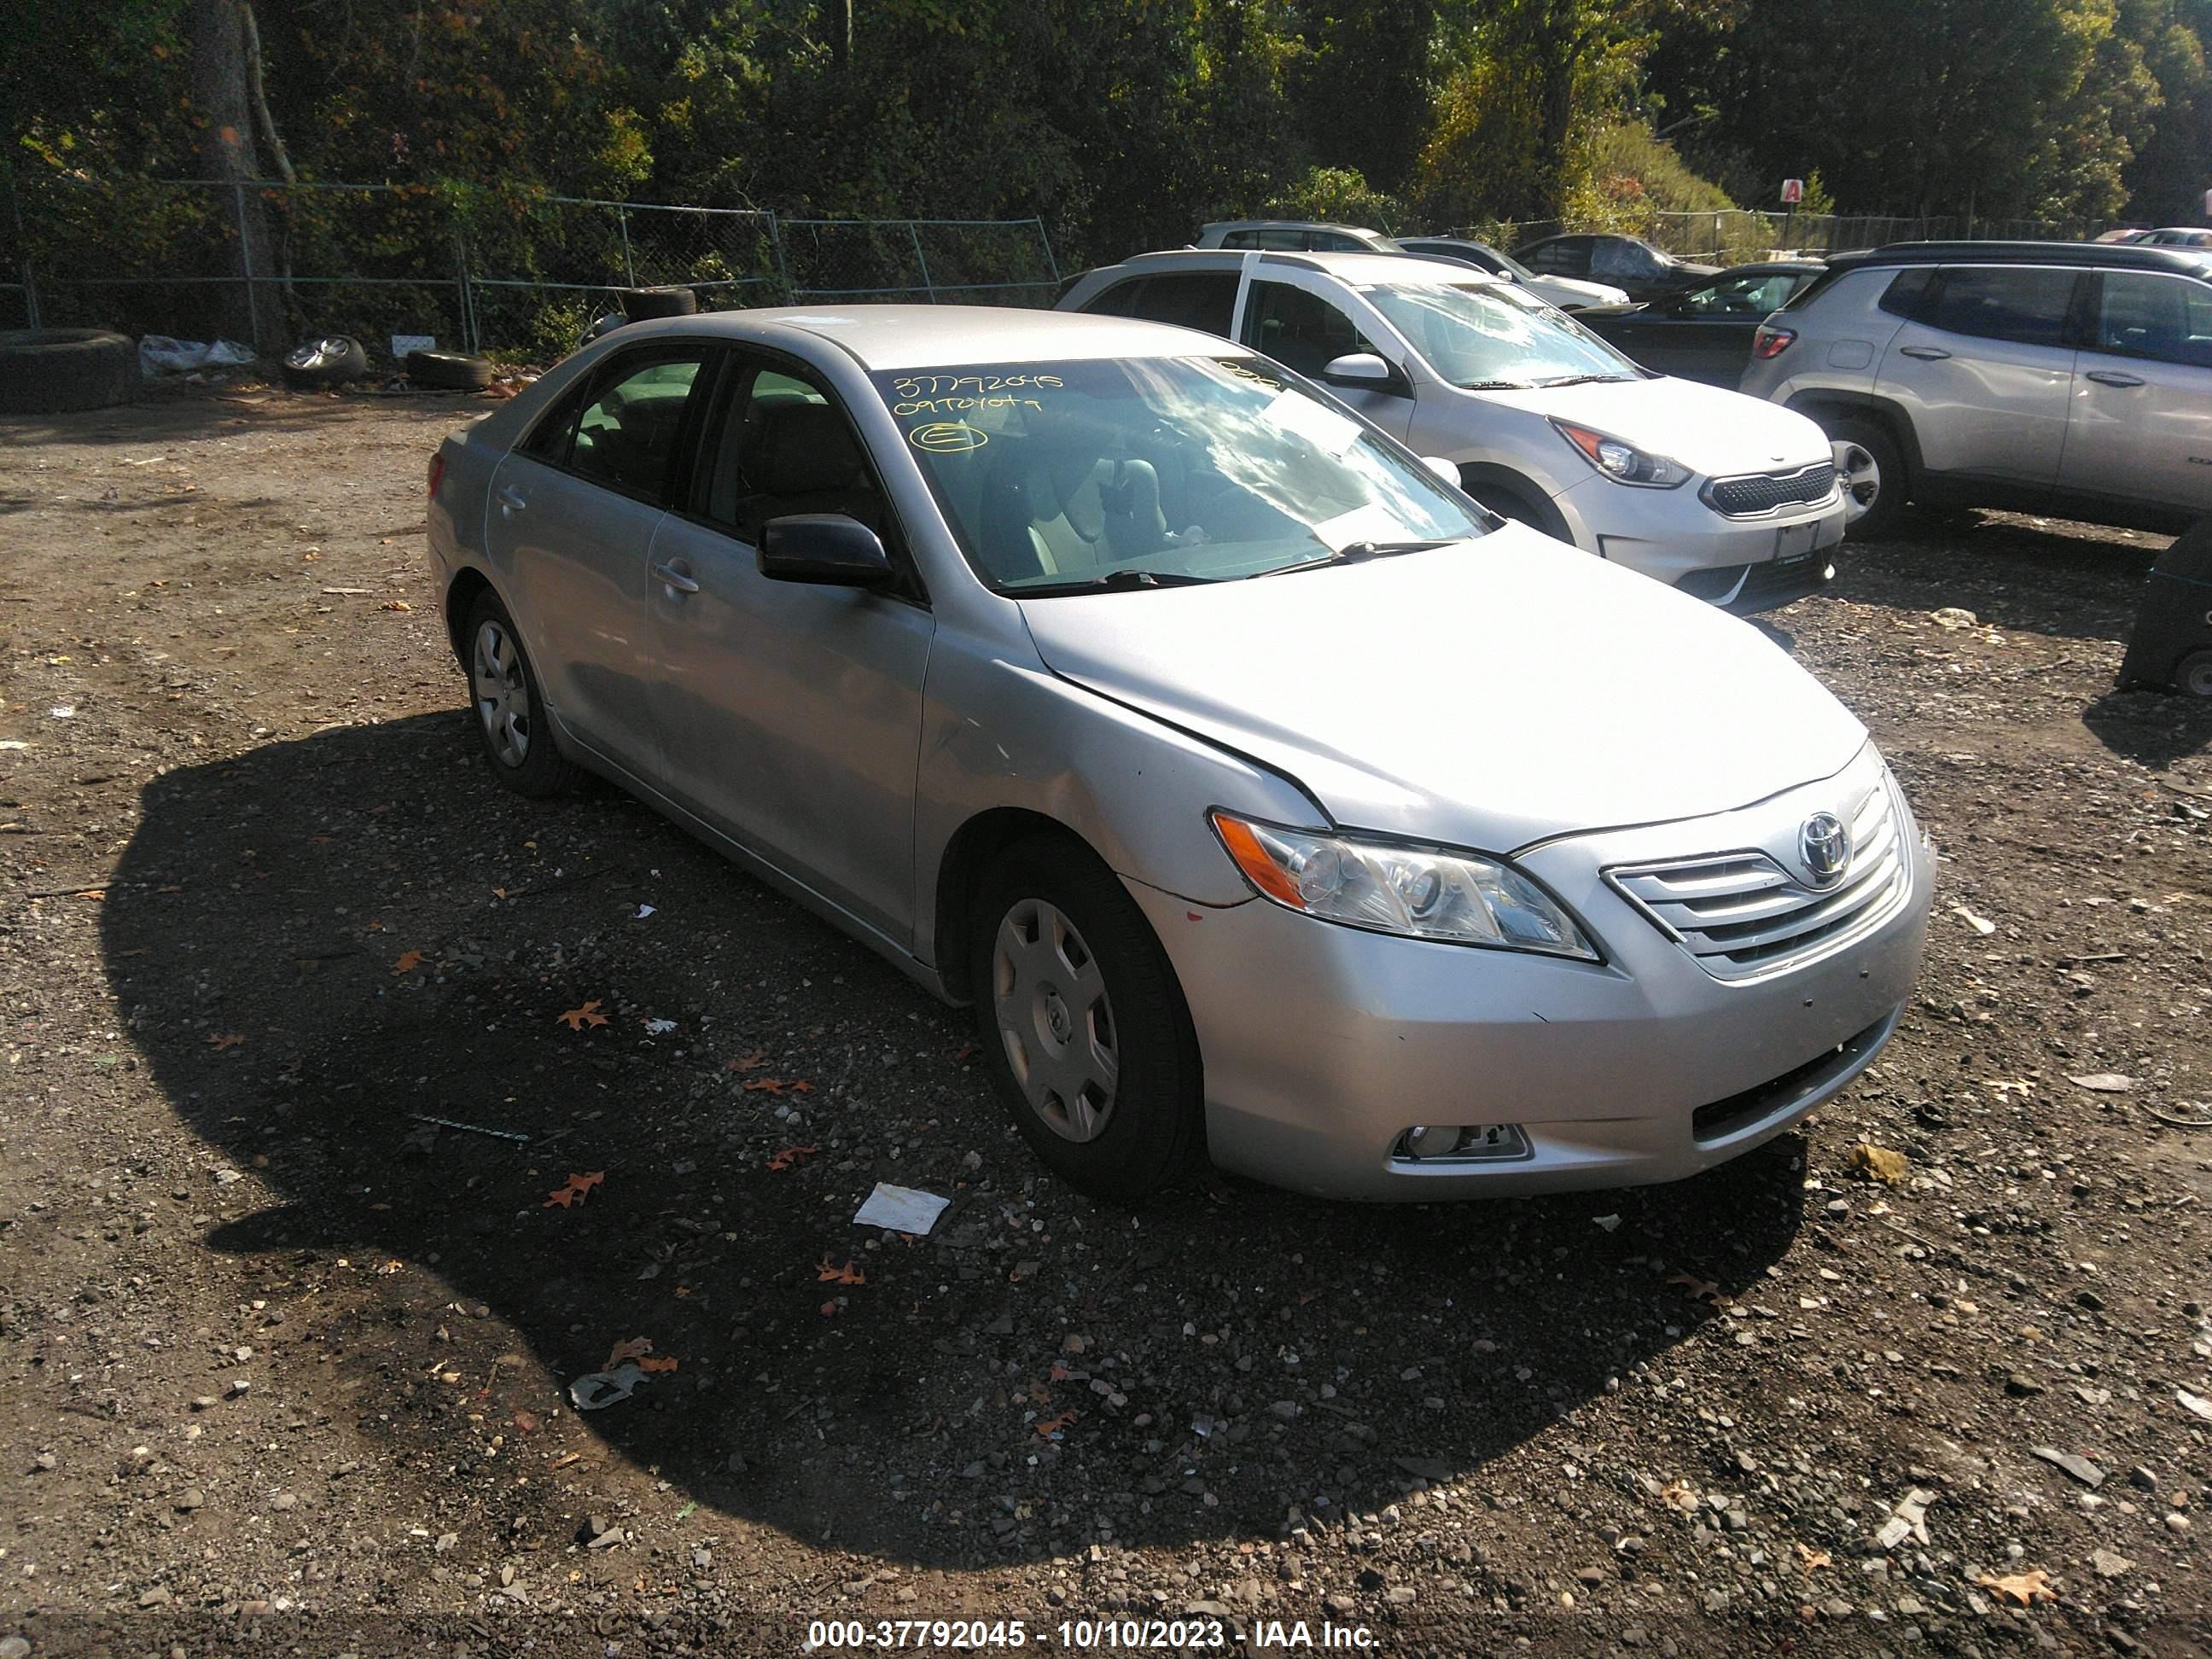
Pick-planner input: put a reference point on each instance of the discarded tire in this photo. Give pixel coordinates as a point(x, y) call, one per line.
point(640, 304)
point(44, 371)
point(449, 371)
point(331, 360)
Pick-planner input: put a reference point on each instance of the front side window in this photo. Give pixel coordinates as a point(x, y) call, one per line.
point(627, 434)
point(1055, 477)
point(1563, 256)
point(1489, 336)
point(781, 445)
point(1751, 296)
point(1300, 329)
point(2165, 318)
point(2001, 302)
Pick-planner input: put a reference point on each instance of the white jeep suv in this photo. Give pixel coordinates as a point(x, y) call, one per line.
point(1729, 499)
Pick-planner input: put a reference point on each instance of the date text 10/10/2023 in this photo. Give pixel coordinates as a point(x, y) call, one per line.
point(1084, 1635)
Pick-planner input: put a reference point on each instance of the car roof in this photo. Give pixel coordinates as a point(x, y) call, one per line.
point(1345, 267)
point(895, 336)
point(1773, 268)
point(1288, 224)
point(2124, 256)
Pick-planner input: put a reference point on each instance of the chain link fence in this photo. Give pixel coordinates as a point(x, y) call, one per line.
point(480, 267)
point(1739, 236)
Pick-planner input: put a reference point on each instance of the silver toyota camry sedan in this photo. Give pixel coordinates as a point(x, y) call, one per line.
point(1265, 796)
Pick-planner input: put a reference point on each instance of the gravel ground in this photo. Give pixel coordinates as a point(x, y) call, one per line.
point(286, 1362)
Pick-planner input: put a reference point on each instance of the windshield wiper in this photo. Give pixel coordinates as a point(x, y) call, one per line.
point(1493, 385)
point(1358, 553)
point(1114, 581)
point(1584, 379)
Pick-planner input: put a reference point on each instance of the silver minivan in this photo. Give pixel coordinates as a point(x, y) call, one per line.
point(1719, 495)
point(2072, 378)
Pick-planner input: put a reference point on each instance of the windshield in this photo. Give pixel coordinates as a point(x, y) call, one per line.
point(1488, 336)
point(1145, 470)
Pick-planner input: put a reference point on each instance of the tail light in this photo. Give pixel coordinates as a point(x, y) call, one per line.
point(1772, 341)
point(437, 471)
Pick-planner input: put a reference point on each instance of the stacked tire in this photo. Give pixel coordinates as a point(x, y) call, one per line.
point(641, 305)
point(47, 371)
point(449, 371)
point(333, 361)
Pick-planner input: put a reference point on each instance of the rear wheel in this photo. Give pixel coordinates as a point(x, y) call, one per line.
point(2193, 674)
point(1871, 471)
point(510, 721)
point(1083, 1027)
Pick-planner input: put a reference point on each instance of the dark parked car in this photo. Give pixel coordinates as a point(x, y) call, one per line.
point(1628, 263)
point(1705, 333)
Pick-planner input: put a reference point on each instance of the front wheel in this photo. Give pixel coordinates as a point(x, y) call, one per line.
point(2193, 674)
point(1082, 1025)
point(1871, 471)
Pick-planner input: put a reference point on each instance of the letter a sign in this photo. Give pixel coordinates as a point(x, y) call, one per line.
point(1793, 191)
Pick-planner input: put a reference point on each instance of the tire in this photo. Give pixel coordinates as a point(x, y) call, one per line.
point(1124, 1142)
point(643, 304)
point(331, 360)
point(1513, 504)
point(449, 371)
point(1875, 489)
point(45, 371)
point(508, 705)
point(2193, 674)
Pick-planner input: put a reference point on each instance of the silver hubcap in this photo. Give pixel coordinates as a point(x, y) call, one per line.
point(1055, 1020)
point(2197, 676)
point(502, 694)
point(1860, 476)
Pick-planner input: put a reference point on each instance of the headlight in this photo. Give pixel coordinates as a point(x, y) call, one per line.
point(1623, 463)
point(1409, 890)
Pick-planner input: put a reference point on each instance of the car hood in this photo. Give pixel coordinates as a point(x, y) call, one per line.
point(1484, 696)
point(1711, 431)
point(1582, 292)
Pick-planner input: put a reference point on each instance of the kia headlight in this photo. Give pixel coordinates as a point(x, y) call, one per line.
point(1455, 898)
point(1623, 463)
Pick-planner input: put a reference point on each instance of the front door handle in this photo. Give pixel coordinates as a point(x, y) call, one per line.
point(1926, 354)
point(676, 579)
point(511, 500)
point(2114, 377)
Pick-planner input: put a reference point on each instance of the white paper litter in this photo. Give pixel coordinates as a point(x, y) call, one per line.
point(659, 1027)
point(902, 1209)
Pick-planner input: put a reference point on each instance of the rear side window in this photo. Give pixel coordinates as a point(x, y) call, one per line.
point(1204, 299)
point(1908, 293)
point(1119, 300)
point(2167, 319)
point(627, 433)
point(1998, 302)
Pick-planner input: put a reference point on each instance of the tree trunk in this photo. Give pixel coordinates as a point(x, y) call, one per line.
point(220, 105)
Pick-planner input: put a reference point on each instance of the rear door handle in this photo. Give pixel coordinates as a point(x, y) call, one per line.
point(2114, 377)
point(1927, 353)
point(676, 579)
point(511, 500)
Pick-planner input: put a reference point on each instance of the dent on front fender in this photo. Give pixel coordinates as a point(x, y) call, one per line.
point(998, 734)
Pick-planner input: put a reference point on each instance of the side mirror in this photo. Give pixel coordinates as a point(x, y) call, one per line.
point(1362, 369)
point(827, 550)
point(1444, 467)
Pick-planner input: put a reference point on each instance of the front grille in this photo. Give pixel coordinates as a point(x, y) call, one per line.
point(1742, 915)
point(1757, 493)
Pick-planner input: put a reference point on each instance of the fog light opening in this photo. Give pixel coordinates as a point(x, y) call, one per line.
point(1429, 1143)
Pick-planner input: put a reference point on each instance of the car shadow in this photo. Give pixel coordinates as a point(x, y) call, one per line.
point(2010, 572)
point(322, 944)
point(2154, 728)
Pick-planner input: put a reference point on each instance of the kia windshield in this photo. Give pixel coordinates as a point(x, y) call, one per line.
point(1090, 475)
point(1489, 336)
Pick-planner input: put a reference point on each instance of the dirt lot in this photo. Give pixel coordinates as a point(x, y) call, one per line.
point(285, 1363)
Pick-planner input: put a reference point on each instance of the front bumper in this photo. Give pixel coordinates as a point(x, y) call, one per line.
point(1670, 534)
point(1323, 1044)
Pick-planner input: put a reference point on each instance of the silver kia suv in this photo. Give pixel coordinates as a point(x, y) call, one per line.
point(2063, 378)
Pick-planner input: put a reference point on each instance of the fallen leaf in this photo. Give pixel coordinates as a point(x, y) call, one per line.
point(1679, 1495)
point(1052, 1426)
point(966, 1051)
point(228, 1040)
point(777, 1085)
point(637, 1347)
point(1059, 1373)
point(848, 1274)
point(578, 1018)
point(656, 1364)
point(1812, 1560)
point(1697, 1290)
point(526, 1423)
point(750, 1062)
point(2025, 1588)
point(791, 1155)
point(2104, 1082)
point(576, 1189)
point(1880, 1163)
point(395, 605)
point(408, 962)
point(829, 1309)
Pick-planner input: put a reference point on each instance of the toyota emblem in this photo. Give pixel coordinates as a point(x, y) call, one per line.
point(1825, 846)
